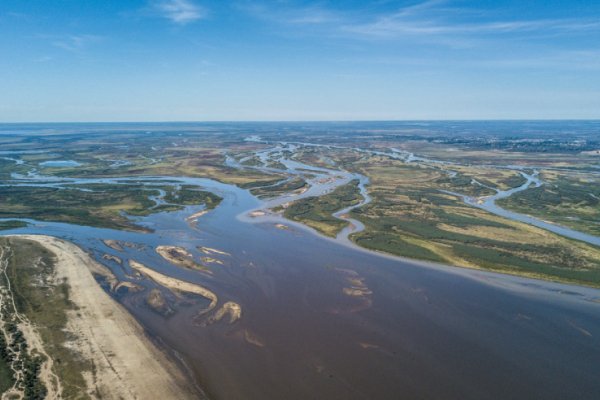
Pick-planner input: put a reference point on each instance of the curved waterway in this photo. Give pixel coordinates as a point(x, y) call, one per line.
point(489, 204)
point(321, 319)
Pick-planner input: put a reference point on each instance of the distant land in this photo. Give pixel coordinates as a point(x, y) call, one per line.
point(269, 260)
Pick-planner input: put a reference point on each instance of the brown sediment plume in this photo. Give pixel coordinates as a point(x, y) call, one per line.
point(367, 346)
point(356, 288)
point(158, 303)
point(253, 339)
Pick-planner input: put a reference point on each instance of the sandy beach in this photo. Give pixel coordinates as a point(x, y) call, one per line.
point(127, 365)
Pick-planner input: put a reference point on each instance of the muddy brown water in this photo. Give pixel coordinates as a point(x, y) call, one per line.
point(424, 331)
point(416, 331)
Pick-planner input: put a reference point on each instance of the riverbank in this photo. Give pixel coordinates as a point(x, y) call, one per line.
point(124, 363)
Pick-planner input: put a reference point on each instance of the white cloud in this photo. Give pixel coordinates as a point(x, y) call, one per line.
point(434, 21)
point(75, 43)
point(180, 12)
point(394, 26)
point(434, 18)
point(283, 14)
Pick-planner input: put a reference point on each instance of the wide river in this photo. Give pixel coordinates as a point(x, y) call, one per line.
point(418, 331)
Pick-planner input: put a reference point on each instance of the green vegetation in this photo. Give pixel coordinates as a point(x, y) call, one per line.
point(466, 184)
point(277, 165)
point(411, 217)
point(514, 181)
point(5, 225)
point(6, 375)
point(284, 187)
point(316, 211)
point(252, 162)
point(45, 303)
point(96, 205)
point(564, 199)
point(188, 195)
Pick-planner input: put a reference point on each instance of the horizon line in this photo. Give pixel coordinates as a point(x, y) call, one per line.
point(308, 121)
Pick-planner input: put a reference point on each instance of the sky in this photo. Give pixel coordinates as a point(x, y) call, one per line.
point(203, 60)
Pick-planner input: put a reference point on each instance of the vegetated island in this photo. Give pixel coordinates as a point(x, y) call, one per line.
point(316, 212)
point(62, 336)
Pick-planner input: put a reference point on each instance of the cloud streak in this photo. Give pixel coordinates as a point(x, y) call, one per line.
point(398, 25)
point(180, 12)
point(307, 15)
point(432, 20)
point(75, 43)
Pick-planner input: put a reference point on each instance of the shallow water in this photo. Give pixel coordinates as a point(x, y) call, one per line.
point(424, 331)
point(60, 163)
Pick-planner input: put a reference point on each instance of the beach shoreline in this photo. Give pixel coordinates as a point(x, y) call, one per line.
point(127, 365)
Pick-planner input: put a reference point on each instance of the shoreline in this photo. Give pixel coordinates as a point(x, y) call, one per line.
point(504, 279)
point(126, 363)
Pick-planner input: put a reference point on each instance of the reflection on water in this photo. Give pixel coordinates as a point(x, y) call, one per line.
point(325, 320)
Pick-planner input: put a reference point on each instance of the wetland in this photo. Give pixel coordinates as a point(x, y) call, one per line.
point(362, 295)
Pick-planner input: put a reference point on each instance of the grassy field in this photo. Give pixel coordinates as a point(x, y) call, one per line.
point(99, 205)
point(410, 216)
point(567, 198)
point(4, 225)
point(280, 189)
point(316, 211)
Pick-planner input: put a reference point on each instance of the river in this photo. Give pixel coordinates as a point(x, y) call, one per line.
point(416, 330)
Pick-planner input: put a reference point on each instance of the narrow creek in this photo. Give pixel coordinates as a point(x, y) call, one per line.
point(323, 318)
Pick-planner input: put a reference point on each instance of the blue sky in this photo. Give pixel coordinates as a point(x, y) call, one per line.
point(195, 60)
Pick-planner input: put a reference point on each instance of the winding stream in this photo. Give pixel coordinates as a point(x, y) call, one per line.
point(321, 316)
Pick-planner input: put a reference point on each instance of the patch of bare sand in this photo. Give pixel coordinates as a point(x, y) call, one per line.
point(179, 256)
point(210, 250)
point(126, 364)
point(176, 284)
point(194, 217)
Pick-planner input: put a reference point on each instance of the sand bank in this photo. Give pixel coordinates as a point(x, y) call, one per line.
point(126, 364)
point(180, 256)
point(176, 284)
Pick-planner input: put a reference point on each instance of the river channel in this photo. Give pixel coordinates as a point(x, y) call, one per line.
point(323, 319)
